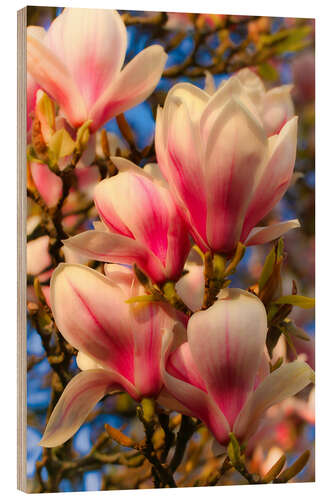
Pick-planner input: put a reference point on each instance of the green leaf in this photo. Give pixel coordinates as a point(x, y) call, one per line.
point(273, 336)
point(268, 72)
point(275, 470)
point(295, 330)
point(297, 300)
point(267, 269)
point(279, 250)
point(295, 468)
point(296, 40)
point(83, 135)
point(61, 144)
point(46, 109)
point(234, 450)
point(143, 299)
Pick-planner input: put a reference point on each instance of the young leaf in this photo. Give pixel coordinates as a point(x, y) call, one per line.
point(267, 269)
point(296, 300)
point(61, 144)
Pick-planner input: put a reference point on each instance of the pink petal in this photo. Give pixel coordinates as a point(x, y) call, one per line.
point(275, 176)
point(49, 185)
point(197, 402)
point(182, 366)
point(180, 158)
point(145, 218)
point(54, 78)
point(124, 277)
point(32, 89)
point(38, 257)
point(178, 246)
point(134, 84)
point(151, 321)
point(227, 341)
point(151, 219)
point(260, 235)
point(78, 399)
point(235, 150)
point(107, 247)
point(92, 44)
point(279, 385)
point(91, 313)
point(170, 403)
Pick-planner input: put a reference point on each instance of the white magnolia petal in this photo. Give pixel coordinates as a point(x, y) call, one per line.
point(260, 235)
point(134, 84)
point(190, 287)
point(76, 402)
point(253, 85)
point(232, 88)
point(282, 383)
point(235, 150)
point(277, 109)
point(275, 176)
point(38, 257)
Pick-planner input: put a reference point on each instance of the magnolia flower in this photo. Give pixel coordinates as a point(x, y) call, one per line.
point(32, 86)
point(119, 344)
point(79, 62)
point(140, 224)
point(38, 257)
point(221, 375)
point(225, 168)
point(303, 69)
point(191, 286)
point(48, 184)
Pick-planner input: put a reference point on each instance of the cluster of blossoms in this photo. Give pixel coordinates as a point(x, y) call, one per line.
point(225, 158)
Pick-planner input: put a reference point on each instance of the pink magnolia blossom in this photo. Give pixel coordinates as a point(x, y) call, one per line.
point(38, 257)
point(221, 374)
point(303, 68)
point(79, 62)
point(48, 184)
point(119, 344)
point(140, 224)
point(228, 158)
point(32, 86)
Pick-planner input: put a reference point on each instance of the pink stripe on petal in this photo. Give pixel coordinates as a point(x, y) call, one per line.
point(91, 313)
point(275, 177)
point(107, 247)
point(235, 149)
point(78, 399)
point(227, 341)
point(182, 366)
point(197, 402)
point(53, 77)
point(134, 84)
